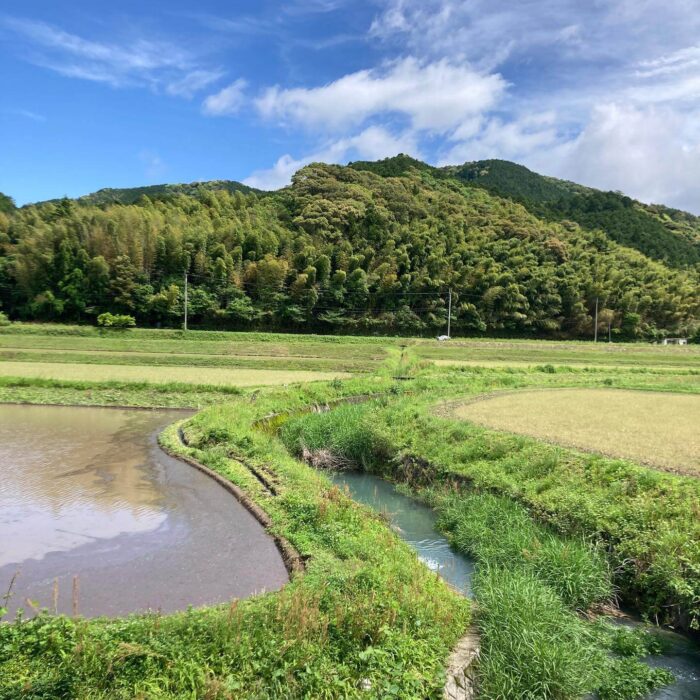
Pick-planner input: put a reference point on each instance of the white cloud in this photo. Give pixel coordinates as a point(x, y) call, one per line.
point(227, 101)
point(673, 77)
point(142, 62)
point(514, 139)
point(651, 153)
point(616, 99)
point(646, 152)
point(489, 31)
point(26, 113)
point(193, 82)
point(372, 143)
point(435, 97)
point(677, 61)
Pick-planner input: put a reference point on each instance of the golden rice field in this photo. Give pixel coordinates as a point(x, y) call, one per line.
point(157, 374)
point(654, 428)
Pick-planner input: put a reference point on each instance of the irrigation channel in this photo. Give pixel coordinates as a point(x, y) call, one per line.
point(415, 524)
point(95, 518)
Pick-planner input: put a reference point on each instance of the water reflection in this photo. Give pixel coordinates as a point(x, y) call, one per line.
point(87, 492)
point(72, 475)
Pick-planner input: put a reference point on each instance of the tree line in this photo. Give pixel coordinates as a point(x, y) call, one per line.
point(341, 249)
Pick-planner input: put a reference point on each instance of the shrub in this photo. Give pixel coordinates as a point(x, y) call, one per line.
point(4, 321)
point(108, 320)
point(346, 433)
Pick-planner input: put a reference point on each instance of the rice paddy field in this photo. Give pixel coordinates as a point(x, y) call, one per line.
point(562, 353)
point(567, 472)
point(659, 429)
point(48, 344)
point(157, 374)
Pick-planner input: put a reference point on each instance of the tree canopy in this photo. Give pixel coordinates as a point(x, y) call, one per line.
point(344, 249)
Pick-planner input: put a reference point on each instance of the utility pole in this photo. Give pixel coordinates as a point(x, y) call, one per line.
point(184, 325)
point(449, 311)
point(595, 330)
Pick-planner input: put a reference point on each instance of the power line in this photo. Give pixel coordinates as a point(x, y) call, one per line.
point(284, 287)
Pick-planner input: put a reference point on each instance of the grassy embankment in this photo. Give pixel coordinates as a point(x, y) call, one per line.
point(523, 353)
point(365, 614)
point(553, 531)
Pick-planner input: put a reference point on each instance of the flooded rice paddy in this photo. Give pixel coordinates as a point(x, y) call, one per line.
point(95, 517)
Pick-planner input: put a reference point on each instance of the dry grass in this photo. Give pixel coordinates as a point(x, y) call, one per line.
point(654, 428)
point(215, 376)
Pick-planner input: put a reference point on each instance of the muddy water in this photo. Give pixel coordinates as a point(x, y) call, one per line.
point(415, 524)
point(87, 493)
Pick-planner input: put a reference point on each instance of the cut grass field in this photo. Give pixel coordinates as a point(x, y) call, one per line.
point(156, 374)
point(185, 359)
point(202, 358)
point(577, 354)
point(225, 343)
point(653, 428)
point(567, 364)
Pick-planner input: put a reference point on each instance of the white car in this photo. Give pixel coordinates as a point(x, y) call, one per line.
point(443, 337)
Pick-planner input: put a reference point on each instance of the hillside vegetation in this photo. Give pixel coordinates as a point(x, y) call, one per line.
point(659, 232)
point(373, 247)
point(131, 195)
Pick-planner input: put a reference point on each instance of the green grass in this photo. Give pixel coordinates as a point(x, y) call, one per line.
point(157, 374)
point(500, 532)
point(531, 580)
point(534, 647)
point(205, 342)
point(138, 394)
point(203, 358)
point(528, 352)
point(647, 521)
point(362, 353)
point(132, 357)
point(365, 610)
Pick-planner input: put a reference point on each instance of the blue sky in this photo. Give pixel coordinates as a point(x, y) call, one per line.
point(603, 92)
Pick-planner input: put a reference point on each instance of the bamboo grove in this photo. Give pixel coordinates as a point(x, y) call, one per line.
point(342, 249)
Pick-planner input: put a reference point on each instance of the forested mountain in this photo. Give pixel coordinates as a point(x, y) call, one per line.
point(131, 195)
point(661, 233)
point(373, 247)
point(7, 205)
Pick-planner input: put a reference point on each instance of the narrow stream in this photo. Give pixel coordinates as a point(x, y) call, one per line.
point(415, 524)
